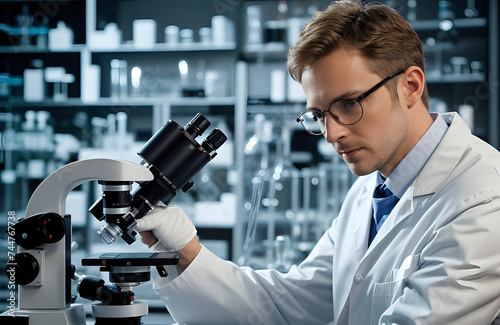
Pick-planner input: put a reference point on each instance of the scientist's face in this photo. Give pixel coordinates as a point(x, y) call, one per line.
point(380, 140)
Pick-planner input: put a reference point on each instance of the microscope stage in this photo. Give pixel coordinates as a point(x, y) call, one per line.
point(132, 259)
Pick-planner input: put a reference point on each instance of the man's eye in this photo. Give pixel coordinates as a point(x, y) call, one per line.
point(317, 115)
point(348, 104)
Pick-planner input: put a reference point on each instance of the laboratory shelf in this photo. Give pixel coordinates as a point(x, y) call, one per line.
point(124, 48)
point(35, 49)
point(279, 48)
point(270, 51)
point(163, 47)
point(199, 101)
point(422, 25)
point(277, 108)
point(440, 46)
point(19, 102)
point(171, 101)
point(130, 101)
point(456, 78)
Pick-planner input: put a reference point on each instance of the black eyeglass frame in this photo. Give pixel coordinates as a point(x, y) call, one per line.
point(357, 99)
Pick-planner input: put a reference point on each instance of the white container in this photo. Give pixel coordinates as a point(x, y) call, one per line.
point(109, 38)
point(60, 38)
point(91, 84)
point(54, 74)
point(144, 33)
point(295, 26)
point(36, 169)
point(172, 34)
point(187, 36)
point(34, 85)
point(214, 84)
point(222, 30)
point(205, 34)
point(278, 86)
point(295, 93)
point(254, 25)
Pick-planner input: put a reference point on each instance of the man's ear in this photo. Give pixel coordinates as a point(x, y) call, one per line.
point(414, 84)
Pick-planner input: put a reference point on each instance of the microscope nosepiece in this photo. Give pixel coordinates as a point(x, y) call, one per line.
point(109, 233)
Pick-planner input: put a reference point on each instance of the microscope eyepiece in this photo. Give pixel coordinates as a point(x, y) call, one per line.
point(197, 126)
point(214, 140)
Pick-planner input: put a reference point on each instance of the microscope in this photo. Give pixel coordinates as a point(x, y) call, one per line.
point(42, 267)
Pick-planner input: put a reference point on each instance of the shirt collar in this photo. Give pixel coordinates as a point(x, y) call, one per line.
point(408, 169)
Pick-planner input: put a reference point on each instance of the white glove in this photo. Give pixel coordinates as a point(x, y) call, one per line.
point(169, 225)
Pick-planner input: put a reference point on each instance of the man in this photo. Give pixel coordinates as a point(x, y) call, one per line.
point(417, 240)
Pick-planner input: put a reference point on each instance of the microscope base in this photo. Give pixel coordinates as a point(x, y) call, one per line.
point(120, 314)
point(119, 321)
point(73, 315)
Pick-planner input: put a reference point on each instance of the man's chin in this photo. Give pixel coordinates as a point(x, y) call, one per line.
point(359, 170)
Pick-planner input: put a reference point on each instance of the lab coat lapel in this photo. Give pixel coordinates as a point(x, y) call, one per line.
point(353, 248)
point(362, 226)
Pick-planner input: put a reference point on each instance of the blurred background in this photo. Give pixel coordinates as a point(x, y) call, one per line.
point(96, 78)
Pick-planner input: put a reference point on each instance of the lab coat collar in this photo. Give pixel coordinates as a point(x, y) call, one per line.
point(442, 162)
point(433, 174)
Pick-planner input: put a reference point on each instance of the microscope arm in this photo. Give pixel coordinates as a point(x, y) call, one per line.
point(50, 195)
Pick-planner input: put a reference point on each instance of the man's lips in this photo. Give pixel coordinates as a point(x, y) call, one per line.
point(349, 153)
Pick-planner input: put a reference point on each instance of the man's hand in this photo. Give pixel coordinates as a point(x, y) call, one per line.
point(169, 225)
point(174, 231)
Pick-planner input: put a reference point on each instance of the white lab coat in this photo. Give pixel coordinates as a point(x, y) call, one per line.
point(436, 260)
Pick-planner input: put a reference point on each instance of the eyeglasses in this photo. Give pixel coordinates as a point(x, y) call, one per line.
point(344, 111)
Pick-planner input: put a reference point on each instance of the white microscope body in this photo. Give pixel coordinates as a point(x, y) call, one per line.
point(46, 299)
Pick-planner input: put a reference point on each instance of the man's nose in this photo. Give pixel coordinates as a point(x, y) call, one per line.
point(334, 129)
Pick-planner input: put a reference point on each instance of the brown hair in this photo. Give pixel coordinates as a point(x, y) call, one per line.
point(383, 36)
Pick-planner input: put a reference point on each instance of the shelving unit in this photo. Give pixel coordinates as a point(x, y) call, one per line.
point(246, 69)
point(159, 107)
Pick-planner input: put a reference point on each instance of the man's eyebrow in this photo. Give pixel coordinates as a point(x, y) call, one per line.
point(347, 95)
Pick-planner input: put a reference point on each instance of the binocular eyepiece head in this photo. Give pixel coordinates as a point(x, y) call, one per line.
point(174, 157)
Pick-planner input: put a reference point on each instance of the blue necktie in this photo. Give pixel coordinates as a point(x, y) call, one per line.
point(383, 202)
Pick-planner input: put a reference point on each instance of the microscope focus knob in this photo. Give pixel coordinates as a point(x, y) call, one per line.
point(37, 230)
point(26, 268)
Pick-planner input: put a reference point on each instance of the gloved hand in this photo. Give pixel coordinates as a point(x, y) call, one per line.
point(168, 225)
